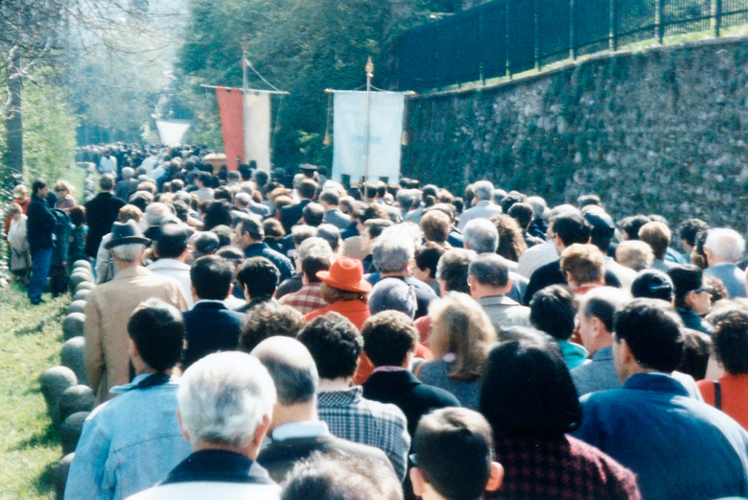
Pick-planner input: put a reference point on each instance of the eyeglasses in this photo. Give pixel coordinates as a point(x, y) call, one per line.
point(59, 190)
point(703, 289)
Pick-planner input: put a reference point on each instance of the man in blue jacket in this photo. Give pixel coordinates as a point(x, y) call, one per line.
point(130, 443)
point(40, 228)
point(679, 447)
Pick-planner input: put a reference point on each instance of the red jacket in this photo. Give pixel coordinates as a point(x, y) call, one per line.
point(355, 310)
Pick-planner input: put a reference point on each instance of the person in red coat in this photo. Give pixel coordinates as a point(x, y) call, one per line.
point(345, 290)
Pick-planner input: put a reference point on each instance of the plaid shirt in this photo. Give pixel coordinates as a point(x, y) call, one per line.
point(561, 468)
point(350, 416)
point(306, 300)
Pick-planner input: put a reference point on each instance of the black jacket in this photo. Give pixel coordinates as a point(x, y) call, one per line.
point(279, 457)
point(291, 214)
point(210, 327)
point(405, 391)
point(40, 224)
point(101, 212)
point(550, 274)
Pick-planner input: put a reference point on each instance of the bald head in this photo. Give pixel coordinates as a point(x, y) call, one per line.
point(291, 367)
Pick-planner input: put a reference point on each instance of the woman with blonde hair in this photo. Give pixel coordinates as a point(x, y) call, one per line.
point(462, 334)
point(64, 191)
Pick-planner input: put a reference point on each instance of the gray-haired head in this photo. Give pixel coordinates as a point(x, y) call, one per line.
point(127, 172)
point(129, 252)
point(315, 246)
point(499, 195)
point(490, 270)
point(483, 190)
point(247, 188)
point(562, 210)
point(183, 196)
point(157, 214)
point(224, 397)
point(329, 233)
point(242, 200)
point(408, 198)
point(538, 205)
point(292, 368)
point(393, 250)
point(725, 244)
point(481, 235)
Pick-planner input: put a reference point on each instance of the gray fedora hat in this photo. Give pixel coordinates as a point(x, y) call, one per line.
point(126, 233)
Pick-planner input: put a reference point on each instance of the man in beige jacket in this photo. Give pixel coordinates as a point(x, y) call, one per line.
point(110, 305)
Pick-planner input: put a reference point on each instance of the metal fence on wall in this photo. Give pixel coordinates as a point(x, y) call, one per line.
point(503, 37)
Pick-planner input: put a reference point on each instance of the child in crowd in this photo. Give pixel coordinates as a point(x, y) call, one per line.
point(453, 456)
point(77, 248)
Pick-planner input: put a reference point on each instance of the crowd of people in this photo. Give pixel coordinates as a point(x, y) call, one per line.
point(266, 335)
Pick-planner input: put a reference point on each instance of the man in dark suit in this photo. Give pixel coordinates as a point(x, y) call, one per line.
point(210, 326)
point(249, 234)
point(567, 229)
point(296, 431)
point(390, 342)
point(101, 212)
point(291, 214)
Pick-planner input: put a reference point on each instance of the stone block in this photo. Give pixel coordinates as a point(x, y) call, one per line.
point(72, 325)
point(84, 285)
point(77, 306)
point(83, 264)
point(54, 382)
point(61, 475)
point(70, 431)
point(79, 276)
point(72, 357)
point(81, 294)
point(76, 399)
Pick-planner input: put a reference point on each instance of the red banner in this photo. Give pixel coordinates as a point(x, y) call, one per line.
point(231, 110)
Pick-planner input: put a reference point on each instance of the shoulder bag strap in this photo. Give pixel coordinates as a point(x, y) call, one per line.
point(717, 395)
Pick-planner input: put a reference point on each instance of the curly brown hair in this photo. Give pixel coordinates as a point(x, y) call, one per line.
point(269, 319)
point(511, 241)
point(330, 294)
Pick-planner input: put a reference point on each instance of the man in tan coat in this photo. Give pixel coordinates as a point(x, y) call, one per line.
point(110, 305)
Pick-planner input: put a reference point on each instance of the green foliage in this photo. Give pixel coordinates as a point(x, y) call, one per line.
point(300, 46)
point(49, 130)
point(29, 448)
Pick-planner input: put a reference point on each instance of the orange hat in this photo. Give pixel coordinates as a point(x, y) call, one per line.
point(346, 274)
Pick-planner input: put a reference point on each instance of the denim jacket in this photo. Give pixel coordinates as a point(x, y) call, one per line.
point(128, 444)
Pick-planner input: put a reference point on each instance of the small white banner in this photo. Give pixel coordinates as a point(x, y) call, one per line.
point(172, 132)
point(257, 129)
point(385, 113)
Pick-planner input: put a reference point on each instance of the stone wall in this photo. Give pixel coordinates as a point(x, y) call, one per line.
point(661, 131)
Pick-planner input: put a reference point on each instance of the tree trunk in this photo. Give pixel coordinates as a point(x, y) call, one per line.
point(14, 116)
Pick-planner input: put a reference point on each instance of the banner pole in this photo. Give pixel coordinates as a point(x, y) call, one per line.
point(369, 68)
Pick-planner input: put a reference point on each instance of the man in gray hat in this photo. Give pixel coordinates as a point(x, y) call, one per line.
point(110, 305)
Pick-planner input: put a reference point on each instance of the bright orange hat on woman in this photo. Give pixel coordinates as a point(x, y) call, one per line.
point(346, 274)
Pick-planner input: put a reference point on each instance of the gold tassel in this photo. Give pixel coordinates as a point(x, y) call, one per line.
point(328, 138)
